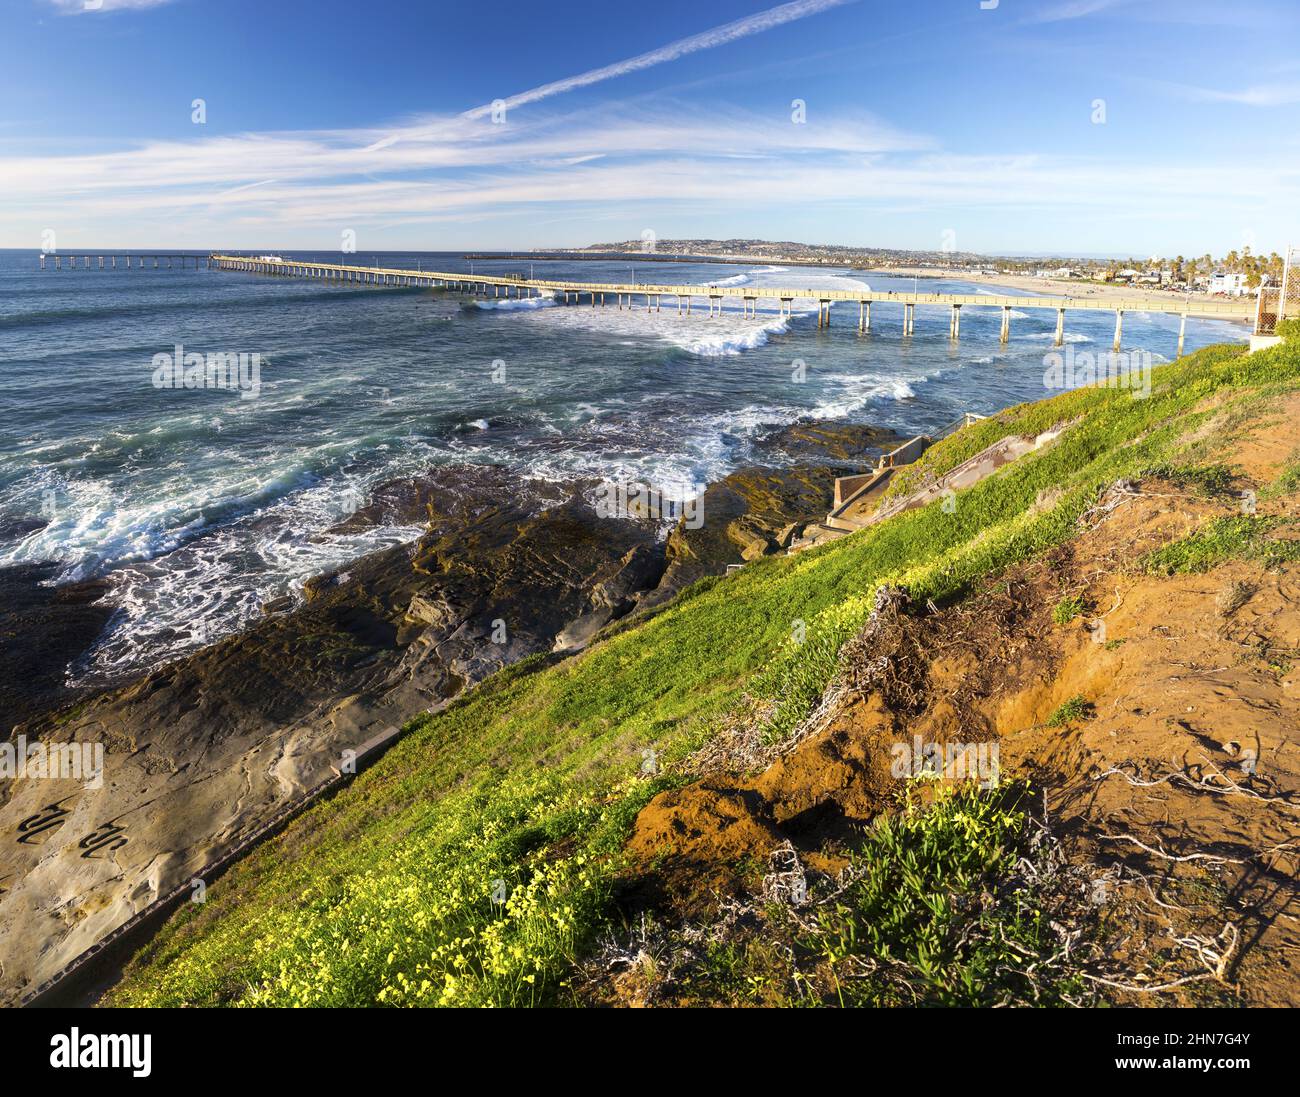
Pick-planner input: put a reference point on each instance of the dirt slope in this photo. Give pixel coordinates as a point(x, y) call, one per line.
point(1173, 778)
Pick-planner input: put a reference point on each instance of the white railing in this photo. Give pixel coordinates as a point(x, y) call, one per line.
point(966, 420)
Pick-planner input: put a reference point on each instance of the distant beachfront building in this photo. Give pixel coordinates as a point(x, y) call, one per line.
point(1232, 284)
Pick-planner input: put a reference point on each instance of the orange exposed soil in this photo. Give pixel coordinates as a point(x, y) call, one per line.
point(1179, 785)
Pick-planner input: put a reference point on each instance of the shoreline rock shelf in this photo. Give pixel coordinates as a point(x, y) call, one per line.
point(203, 751)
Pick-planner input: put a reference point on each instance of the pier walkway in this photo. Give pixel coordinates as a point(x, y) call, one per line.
point(626, 295)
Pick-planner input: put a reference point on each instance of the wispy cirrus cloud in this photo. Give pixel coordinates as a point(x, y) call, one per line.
point(81, 7)
point(1073, 9)
point(454, 144)
point(453, 171)
point(1165, 12)
point(1258, 95)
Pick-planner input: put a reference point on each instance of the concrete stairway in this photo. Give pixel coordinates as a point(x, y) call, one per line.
point(859, 499)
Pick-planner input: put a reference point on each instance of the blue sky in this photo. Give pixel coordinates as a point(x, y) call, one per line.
point(1069, 126)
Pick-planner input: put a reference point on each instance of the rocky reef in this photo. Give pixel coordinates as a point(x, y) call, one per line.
point(200, 751)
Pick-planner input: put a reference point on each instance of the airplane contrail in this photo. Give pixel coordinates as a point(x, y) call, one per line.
point(705, 40)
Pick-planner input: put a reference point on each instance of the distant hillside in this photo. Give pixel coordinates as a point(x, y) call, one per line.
point(782, 249)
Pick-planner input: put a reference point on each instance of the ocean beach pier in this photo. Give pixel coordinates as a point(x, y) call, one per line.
point(128, 261)
point(631, 295)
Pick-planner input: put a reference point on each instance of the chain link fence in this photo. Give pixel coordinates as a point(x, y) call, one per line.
point(1279, 302)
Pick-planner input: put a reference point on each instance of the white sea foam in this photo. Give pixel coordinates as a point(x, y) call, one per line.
point(730, 333)
point(735, 338)
point(515, 304)
point(192, 585)
point(1067, 337)
point(725, 334)
point(804, 278)
point(734, 280)
point(190, 553)
point(860, 391)
point(696, 450)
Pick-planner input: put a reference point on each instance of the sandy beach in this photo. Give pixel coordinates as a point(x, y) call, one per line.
point(1062, 286)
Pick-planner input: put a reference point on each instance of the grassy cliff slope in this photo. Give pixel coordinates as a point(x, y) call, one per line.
point(485, 858)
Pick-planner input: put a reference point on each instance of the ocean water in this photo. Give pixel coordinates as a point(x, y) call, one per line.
point(199, 505)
